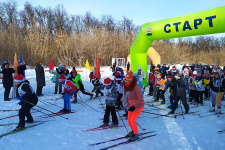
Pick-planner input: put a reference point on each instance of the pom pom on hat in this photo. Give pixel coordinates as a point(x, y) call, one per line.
point(19, 78)
point(107, 81)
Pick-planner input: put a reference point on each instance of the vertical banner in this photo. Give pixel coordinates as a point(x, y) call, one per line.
point(15, 64)
point(51, 66)
point(97, 68)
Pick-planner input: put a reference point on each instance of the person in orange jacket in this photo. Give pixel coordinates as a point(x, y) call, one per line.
point(135, 103)
point(161, 84)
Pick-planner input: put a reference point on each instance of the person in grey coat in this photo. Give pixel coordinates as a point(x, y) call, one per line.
point(40, 77)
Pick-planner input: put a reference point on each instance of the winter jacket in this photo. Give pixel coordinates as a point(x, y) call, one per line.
point(151, 79)
point(7, 77)
point(55, 78)
point(21, 69)
point(40, 75)
point(180, 88)
point(172, 85)
point(161, 84)
point(78, 81)
point(135, 98)
point(140, 84)
point(69, 87)
point(27, 93)
point(217, 85)
point(200, 86)
point(141, 75)
point(97, 84)
point(191, 86)
point(111, 94)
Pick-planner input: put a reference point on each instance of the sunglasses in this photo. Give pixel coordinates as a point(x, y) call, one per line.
point(126, 80)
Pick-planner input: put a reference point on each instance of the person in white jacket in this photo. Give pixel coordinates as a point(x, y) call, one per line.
point(141, 74)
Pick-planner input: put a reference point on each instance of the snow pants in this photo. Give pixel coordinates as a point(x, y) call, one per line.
point(67, 103)
point(132, 117)
point(216, 98)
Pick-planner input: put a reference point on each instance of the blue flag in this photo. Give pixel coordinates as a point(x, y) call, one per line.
point(21, 61)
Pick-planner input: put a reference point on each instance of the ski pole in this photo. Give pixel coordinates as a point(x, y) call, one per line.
point(181, 110)
point(121, 118)
point(87, 104)
point(42, 108)
point(101, 103)
point(50, 103)
point(42, 112)
point(140, 126)
point(44, 103)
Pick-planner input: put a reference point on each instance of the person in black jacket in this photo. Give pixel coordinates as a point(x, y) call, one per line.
point(21, 68)
point(180, 93)
point(40, 77)
point(7, 80)
point(28, 99)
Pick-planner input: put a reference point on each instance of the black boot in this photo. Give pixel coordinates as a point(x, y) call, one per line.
point(56, 90)
point(60, 91)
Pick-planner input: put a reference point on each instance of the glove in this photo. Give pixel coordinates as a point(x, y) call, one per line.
point(132, 108)
point(19, 98)
point(20, 103)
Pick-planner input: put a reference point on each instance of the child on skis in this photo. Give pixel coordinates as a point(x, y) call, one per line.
point(69, 90)
point(161, 84)
point(98, 86)
point(110, 101)
point(120, 90)
point(28, 99)
point(200, 88)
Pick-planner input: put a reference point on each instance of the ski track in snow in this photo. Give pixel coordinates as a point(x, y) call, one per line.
point(191, 133)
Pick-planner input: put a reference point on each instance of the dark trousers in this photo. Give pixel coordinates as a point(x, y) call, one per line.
point(199, 96)
point(160, 93)
point(172, 99)
point(119, 103)
point(25, 111)
point(99, 91)
point(82, 90)
point(6, 93)
point(150, 88)
point(192, 95)
point(58, 86)
point(113, 114)
point(207, 93)
point(39, 91)
point(182, 97)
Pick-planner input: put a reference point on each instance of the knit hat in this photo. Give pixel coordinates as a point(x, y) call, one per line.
point(195, 72)
point(39, 61)
point(19, 78)
point(159, 76)
point(139, 67)
point(170, 77)
point(173, 67)
point(178, 76)
point(62, 78)
point(107, 81)
point(129, 76)
point(192, 76)
point(151, 72)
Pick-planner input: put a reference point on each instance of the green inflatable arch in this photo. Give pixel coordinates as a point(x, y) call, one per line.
point(200, 23)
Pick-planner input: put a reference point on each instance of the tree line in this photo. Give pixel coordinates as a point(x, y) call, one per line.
point(44, 33)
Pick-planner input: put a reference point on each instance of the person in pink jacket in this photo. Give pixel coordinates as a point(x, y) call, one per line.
point(135, 103)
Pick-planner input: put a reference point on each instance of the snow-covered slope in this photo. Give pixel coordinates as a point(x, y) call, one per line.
point(191, 132)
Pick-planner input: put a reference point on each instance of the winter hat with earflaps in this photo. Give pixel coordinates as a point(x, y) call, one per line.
point(19, 78)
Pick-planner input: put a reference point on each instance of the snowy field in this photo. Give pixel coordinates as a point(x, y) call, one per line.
point(197, 131)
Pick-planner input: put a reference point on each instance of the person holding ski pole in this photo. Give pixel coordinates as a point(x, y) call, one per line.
point(28, 99)
point(135, 103)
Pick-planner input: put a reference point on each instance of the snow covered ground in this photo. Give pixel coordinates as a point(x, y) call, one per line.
point(196, 131)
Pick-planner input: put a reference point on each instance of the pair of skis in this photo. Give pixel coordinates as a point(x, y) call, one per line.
point(15, 131)
point(101, 128)
point(124, 142)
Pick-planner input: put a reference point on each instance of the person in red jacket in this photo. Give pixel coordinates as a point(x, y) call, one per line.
point(151, 82)
point(135, 103)
point(69, 90)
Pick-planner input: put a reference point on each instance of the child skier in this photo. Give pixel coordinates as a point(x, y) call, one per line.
point(200, 88)
point(70, 88)
point(161, 84)
point(28, 99)
point(110, 101)
point(120, 90)
point(97, 86)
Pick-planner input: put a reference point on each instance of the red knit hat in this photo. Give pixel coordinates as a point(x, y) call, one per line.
point(170, 77)
point(173, 67)
point(107, 81)
point(19, 78)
